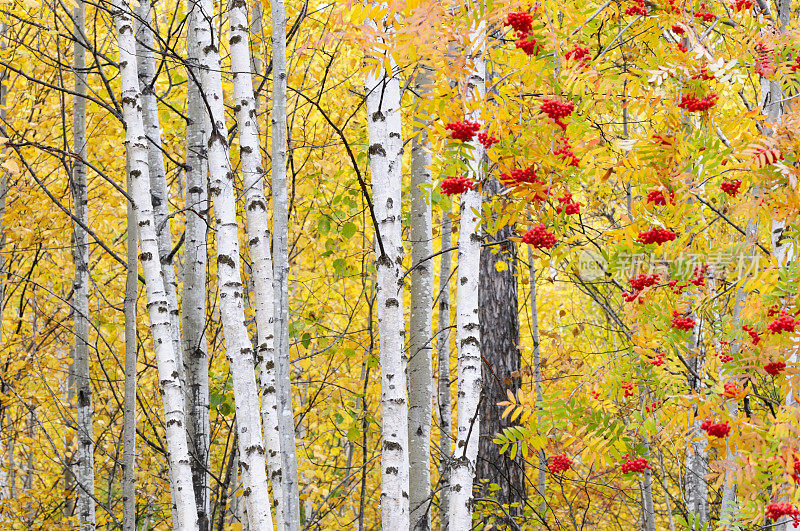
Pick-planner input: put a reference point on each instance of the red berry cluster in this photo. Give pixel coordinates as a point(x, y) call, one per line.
point(652, 407)
point(663, 140)
point(765, 59)
point(796, 66)
point(774, 368)
point(556, 110)
point(657, 197)
point(658, 236)
point(464, 131)
point(644, 281)
point(539, 237)
point(731, 186)
point(676, 288)
point(699, 275)
point(578, 53)
point(569, 206)
point(704, 74)
point(628, 389)
point(704, 14)
point(796, 467)
point(773, 310)
point(754, 338)
point(634, 466)
point(565, 153)
point(457, 185)
point(658, 359)
point(724, 357)
point(784, 323)
point(694, 104)
point(679, 30)
point(528, 44)
point(682, 48)
point(524, 175)
point(487, 140)
point(732, 389)
point(521, 22)
point(681, 323)
point(559, 463)
point(777, 510)
point(636, 9)
point(716, 429)
point(741, 5)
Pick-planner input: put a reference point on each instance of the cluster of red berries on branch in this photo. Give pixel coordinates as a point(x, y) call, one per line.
point(557, 110)
point(724, 357)
point(692, 103)
point(634, 466)
point(521, 176)
point(754, 337)
point(559, 463)
point(699, 275)
point(457, 185)
point(569, 207)
point(658, 198)
point(565, 153)
point(716, 429)
point(628, 389)
point(636, 9)
point(796, 467)
point(682, 48)
point(731, 186)
point(742, 5)
point(539, 237)
point(657, 235)
point(677, 286)
point(463, 131)
point(765, 59)
point(652, 407)
point(796, 66)
point(679, 30)
point(704, 74)
point(682, 323)
point(528, 44)
point(775, 511)
point(704, 14)
point(658, 357)
point(732, 390)
point(487, 140)
point(774, 368)
point(784, 323)
point(578, 53)
point(521, 22)
point(638, 284)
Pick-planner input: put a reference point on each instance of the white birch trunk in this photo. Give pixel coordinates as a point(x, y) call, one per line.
point(420, 368)
point(84, 407)
point(443, 383)
point(290, 499)
point(259, 239)
point(129, 405)
point(194, 285)
point(159, 192)
point(696, 484)
point(157, 303)
point(468, 338)
point(237, 341)
point(384, 129)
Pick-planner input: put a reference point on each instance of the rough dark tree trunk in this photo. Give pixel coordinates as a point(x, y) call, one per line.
point(497, 301)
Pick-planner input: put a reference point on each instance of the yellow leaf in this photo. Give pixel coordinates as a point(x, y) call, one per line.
point(500, 266)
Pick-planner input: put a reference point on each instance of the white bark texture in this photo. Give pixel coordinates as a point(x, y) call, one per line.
point(468, 330)
point(194, 285)
point(157, 303)
point(129, 404)
point(384, 128)
point(443, 383)
point(159, 192)
point(420, 368)
point(238, 348)
point(84, 468)
point(280, 251)
point(259, 238)
point(696, 469)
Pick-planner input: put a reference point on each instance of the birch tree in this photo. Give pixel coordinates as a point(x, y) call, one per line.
point(443, 373)
point(237, 341)
point(420, 369)
point(468, 338)
point(384, 129)
point(290, 501)
point(129, 404)
point(157, 302)
point(85, 408)
point(194, 282)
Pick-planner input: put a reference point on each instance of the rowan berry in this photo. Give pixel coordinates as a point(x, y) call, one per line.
point(694, 104)
point(754, 337)
point(731, 186)
point(704, 14)
point(716, 429)
point(463, 131)
point(559, 463)
point(539, 237)
point(457, 185)
point(774, 368)
point(487, 140)
point(682, 323)
point(777, 510)
point(521, 22)
point(634, 466)
point(657, 235)
point(784, 323)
